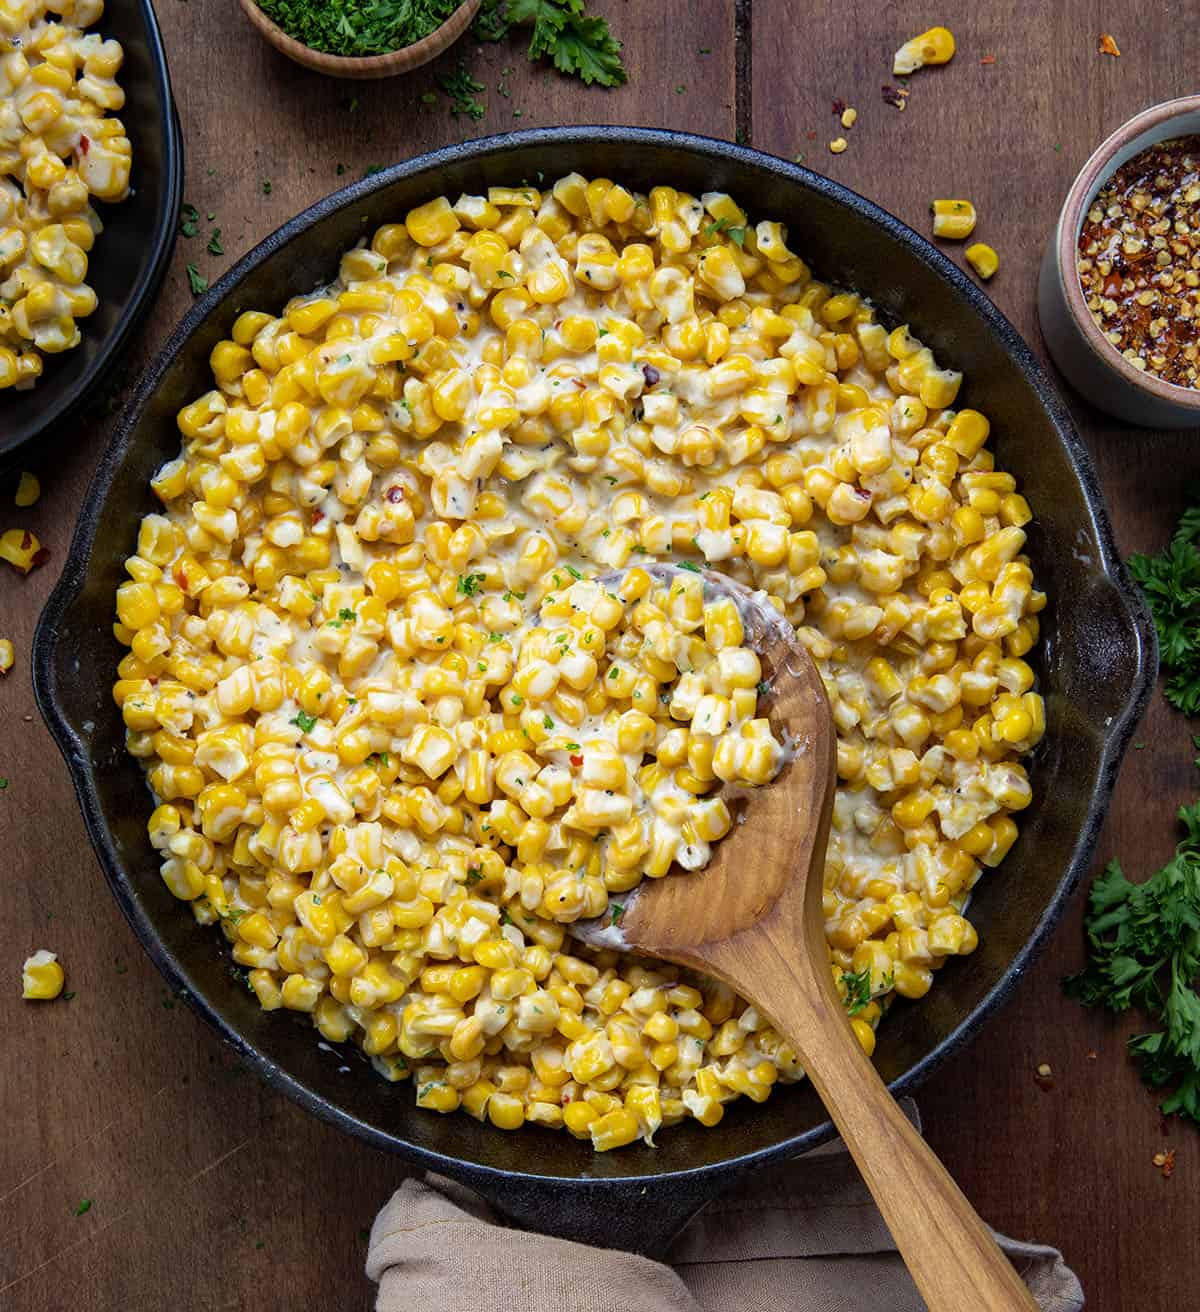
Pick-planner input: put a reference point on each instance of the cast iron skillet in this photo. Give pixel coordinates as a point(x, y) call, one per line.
point(131, 256)
point(1097, 662)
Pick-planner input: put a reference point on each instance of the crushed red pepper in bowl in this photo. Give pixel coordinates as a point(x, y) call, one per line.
point(1139, 260)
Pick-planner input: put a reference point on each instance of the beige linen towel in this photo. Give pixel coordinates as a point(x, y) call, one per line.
point(801, 1237)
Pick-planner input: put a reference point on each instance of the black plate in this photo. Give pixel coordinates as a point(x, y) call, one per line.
point(1097, 666)
point(131, 256)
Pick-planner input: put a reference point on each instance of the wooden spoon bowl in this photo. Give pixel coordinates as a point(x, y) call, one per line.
point(753, 918)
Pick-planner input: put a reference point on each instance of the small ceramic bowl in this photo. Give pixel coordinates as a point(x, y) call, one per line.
point(1078, 346)
point(394, 62)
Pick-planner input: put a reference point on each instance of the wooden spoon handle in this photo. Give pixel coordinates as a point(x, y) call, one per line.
point(948, 1250)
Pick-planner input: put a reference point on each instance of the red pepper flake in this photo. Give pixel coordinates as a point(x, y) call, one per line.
point(317, 517)
point(580, 383)
point(395, 494)
point(898, 99)
point(1165, 1161)
point(1108, 45)
point(1091, 1054)
point(988, 59)
point(839, 107)
point(85, 144)
point(812, 136)
point(40, 557)
point(576, 761)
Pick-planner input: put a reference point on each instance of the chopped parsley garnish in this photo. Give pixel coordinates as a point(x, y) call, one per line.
point(354, 29)
point(517, 699)
point(504, 273)
point(735, 233)
point(196, 281)
point(214, 246)
point(461, 87)
point(858, 989)
point(514, 596)
point(618, 910)
point(66, 997)
point(305, 722)
point(84, 1205)
point(505, 919)
point(495, 637)
point(614, 673)
point(688, 565)
point(347, 614)
point(189, 220)
point(266, 186)
point(763, 688)
point(468, 584)
point(474, 875)
point(574, 573)
point(547, 722)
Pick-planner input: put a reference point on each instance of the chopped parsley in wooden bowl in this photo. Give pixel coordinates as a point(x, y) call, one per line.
point(380, 38)
point(361, 38)
point(356, 29)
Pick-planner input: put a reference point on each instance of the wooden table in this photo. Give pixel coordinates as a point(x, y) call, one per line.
point(211, 1192)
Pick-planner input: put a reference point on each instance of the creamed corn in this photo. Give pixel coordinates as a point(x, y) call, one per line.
point(399, 730)
point(60, 148)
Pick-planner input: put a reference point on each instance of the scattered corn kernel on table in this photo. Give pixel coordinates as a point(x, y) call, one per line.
point(199, 1184)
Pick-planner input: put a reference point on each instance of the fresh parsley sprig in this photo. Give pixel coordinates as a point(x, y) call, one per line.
point(1144, 953)
point(578, 44)
point(1171, 582)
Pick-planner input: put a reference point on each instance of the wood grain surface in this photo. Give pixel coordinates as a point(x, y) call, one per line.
point(207, 1191)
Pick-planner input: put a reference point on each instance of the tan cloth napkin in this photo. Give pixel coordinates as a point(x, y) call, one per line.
point(801, 1237)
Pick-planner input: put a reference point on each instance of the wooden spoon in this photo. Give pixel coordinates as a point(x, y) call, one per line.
point(753, 918)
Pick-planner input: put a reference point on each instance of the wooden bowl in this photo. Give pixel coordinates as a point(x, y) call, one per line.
point(393, 63)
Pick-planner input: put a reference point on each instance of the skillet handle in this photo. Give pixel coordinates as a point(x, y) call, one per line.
point(636, 1216)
